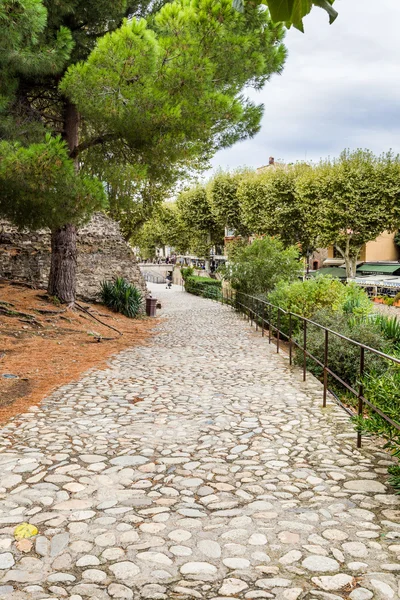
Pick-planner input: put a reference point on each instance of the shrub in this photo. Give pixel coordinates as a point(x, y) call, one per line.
point(388, 300)
point(356, 301)
point(343, 356)
point(186, 272)
point(258, 267)
point(122, 297)
point(203, 286)
point(383, 392)
point(307, 297)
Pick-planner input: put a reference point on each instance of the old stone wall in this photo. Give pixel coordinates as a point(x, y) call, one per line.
point(102, 254)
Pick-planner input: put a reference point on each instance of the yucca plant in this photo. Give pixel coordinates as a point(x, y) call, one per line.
point(122, 297)
point(390, 327)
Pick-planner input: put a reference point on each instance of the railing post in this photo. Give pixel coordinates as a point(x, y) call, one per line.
point(360, 394)
point(304, 349)
point(290, 339)
point(251, 311)
point(278, 330)
point(325, 368)
point(269, 323)
point(263, 319)
point(256, 315)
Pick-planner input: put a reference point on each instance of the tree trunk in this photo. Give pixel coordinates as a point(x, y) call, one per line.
point(350, 257)
point(351, 265)
point(62, 278)
point(71, 128)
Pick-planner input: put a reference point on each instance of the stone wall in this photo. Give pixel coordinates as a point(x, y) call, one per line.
point(102, 254)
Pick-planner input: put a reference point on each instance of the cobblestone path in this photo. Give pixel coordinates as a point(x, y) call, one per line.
point(198, 466)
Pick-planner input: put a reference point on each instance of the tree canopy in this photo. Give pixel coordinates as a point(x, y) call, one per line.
point(196, 215)
point(163, 228)
point(146, 100)
point(344, 202)
point(355, 198)
point(223, 196)
point(269, 205)
point(39, 185)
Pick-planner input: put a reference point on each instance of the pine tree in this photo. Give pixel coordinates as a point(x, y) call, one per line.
point(91, 83)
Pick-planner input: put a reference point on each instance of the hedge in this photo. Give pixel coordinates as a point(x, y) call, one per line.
point(203, 286)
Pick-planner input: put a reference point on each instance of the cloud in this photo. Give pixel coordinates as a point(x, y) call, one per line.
point(340, 89)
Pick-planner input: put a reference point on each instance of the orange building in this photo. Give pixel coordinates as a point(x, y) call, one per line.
point(382, 249)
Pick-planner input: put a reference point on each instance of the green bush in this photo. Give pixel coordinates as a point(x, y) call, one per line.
point(122, 297)
point(356, 301)
point(258, 267)
point(187, 272)
point(383, 392)
point(388, 300)
point(307, 297)
point(343, 356)
point(204, 286)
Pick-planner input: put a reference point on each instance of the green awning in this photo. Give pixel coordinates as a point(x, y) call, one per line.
point(336, 272)
point(376, 269)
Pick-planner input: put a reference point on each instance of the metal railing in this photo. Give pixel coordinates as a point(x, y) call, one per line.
point(262, 313)
point(153, 278)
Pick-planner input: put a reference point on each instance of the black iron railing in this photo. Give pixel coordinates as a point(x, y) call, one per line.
point(153, 277)
point(268, 318)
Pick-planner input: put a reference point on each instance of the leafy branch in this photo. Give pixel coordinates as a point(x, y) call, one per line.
point(292, 12)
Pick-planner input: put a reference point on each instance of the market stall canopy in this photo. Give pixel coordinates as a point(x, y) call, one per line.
point(379, 281)
point(377, 269)
point(336, 272)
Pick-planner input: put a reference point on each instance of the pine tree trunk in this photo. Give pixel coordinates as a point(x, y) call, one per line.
point(62, 278)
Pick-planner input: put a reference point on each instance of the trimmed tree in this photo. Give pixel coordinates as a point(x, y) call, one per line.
point(196, 215)
point(355, 197)
point(269, 206)
point(164, 228)
point(160, 95)
point(222, 192)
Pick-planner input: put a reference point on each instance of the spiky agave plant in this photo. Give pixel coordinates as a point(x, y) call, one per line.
point(122, 297)
point(390, 327)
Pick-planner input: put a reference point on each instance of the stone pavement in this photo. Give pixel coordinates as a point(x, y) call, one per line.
point(197, 466)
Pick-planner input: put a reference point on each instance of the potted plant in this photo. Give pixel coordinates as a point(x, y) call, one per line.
point(397, 300)
point(378, 299)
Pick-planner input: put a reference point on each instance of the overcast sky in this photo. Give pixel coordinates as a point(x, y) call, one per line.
point(340, 88)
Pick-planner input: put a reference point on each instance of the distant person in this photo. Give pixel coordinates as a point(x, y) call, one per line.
point(169, 281)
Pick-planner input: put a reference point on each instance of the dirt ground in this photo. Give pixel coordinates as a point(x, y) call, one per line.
point(47, 346)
